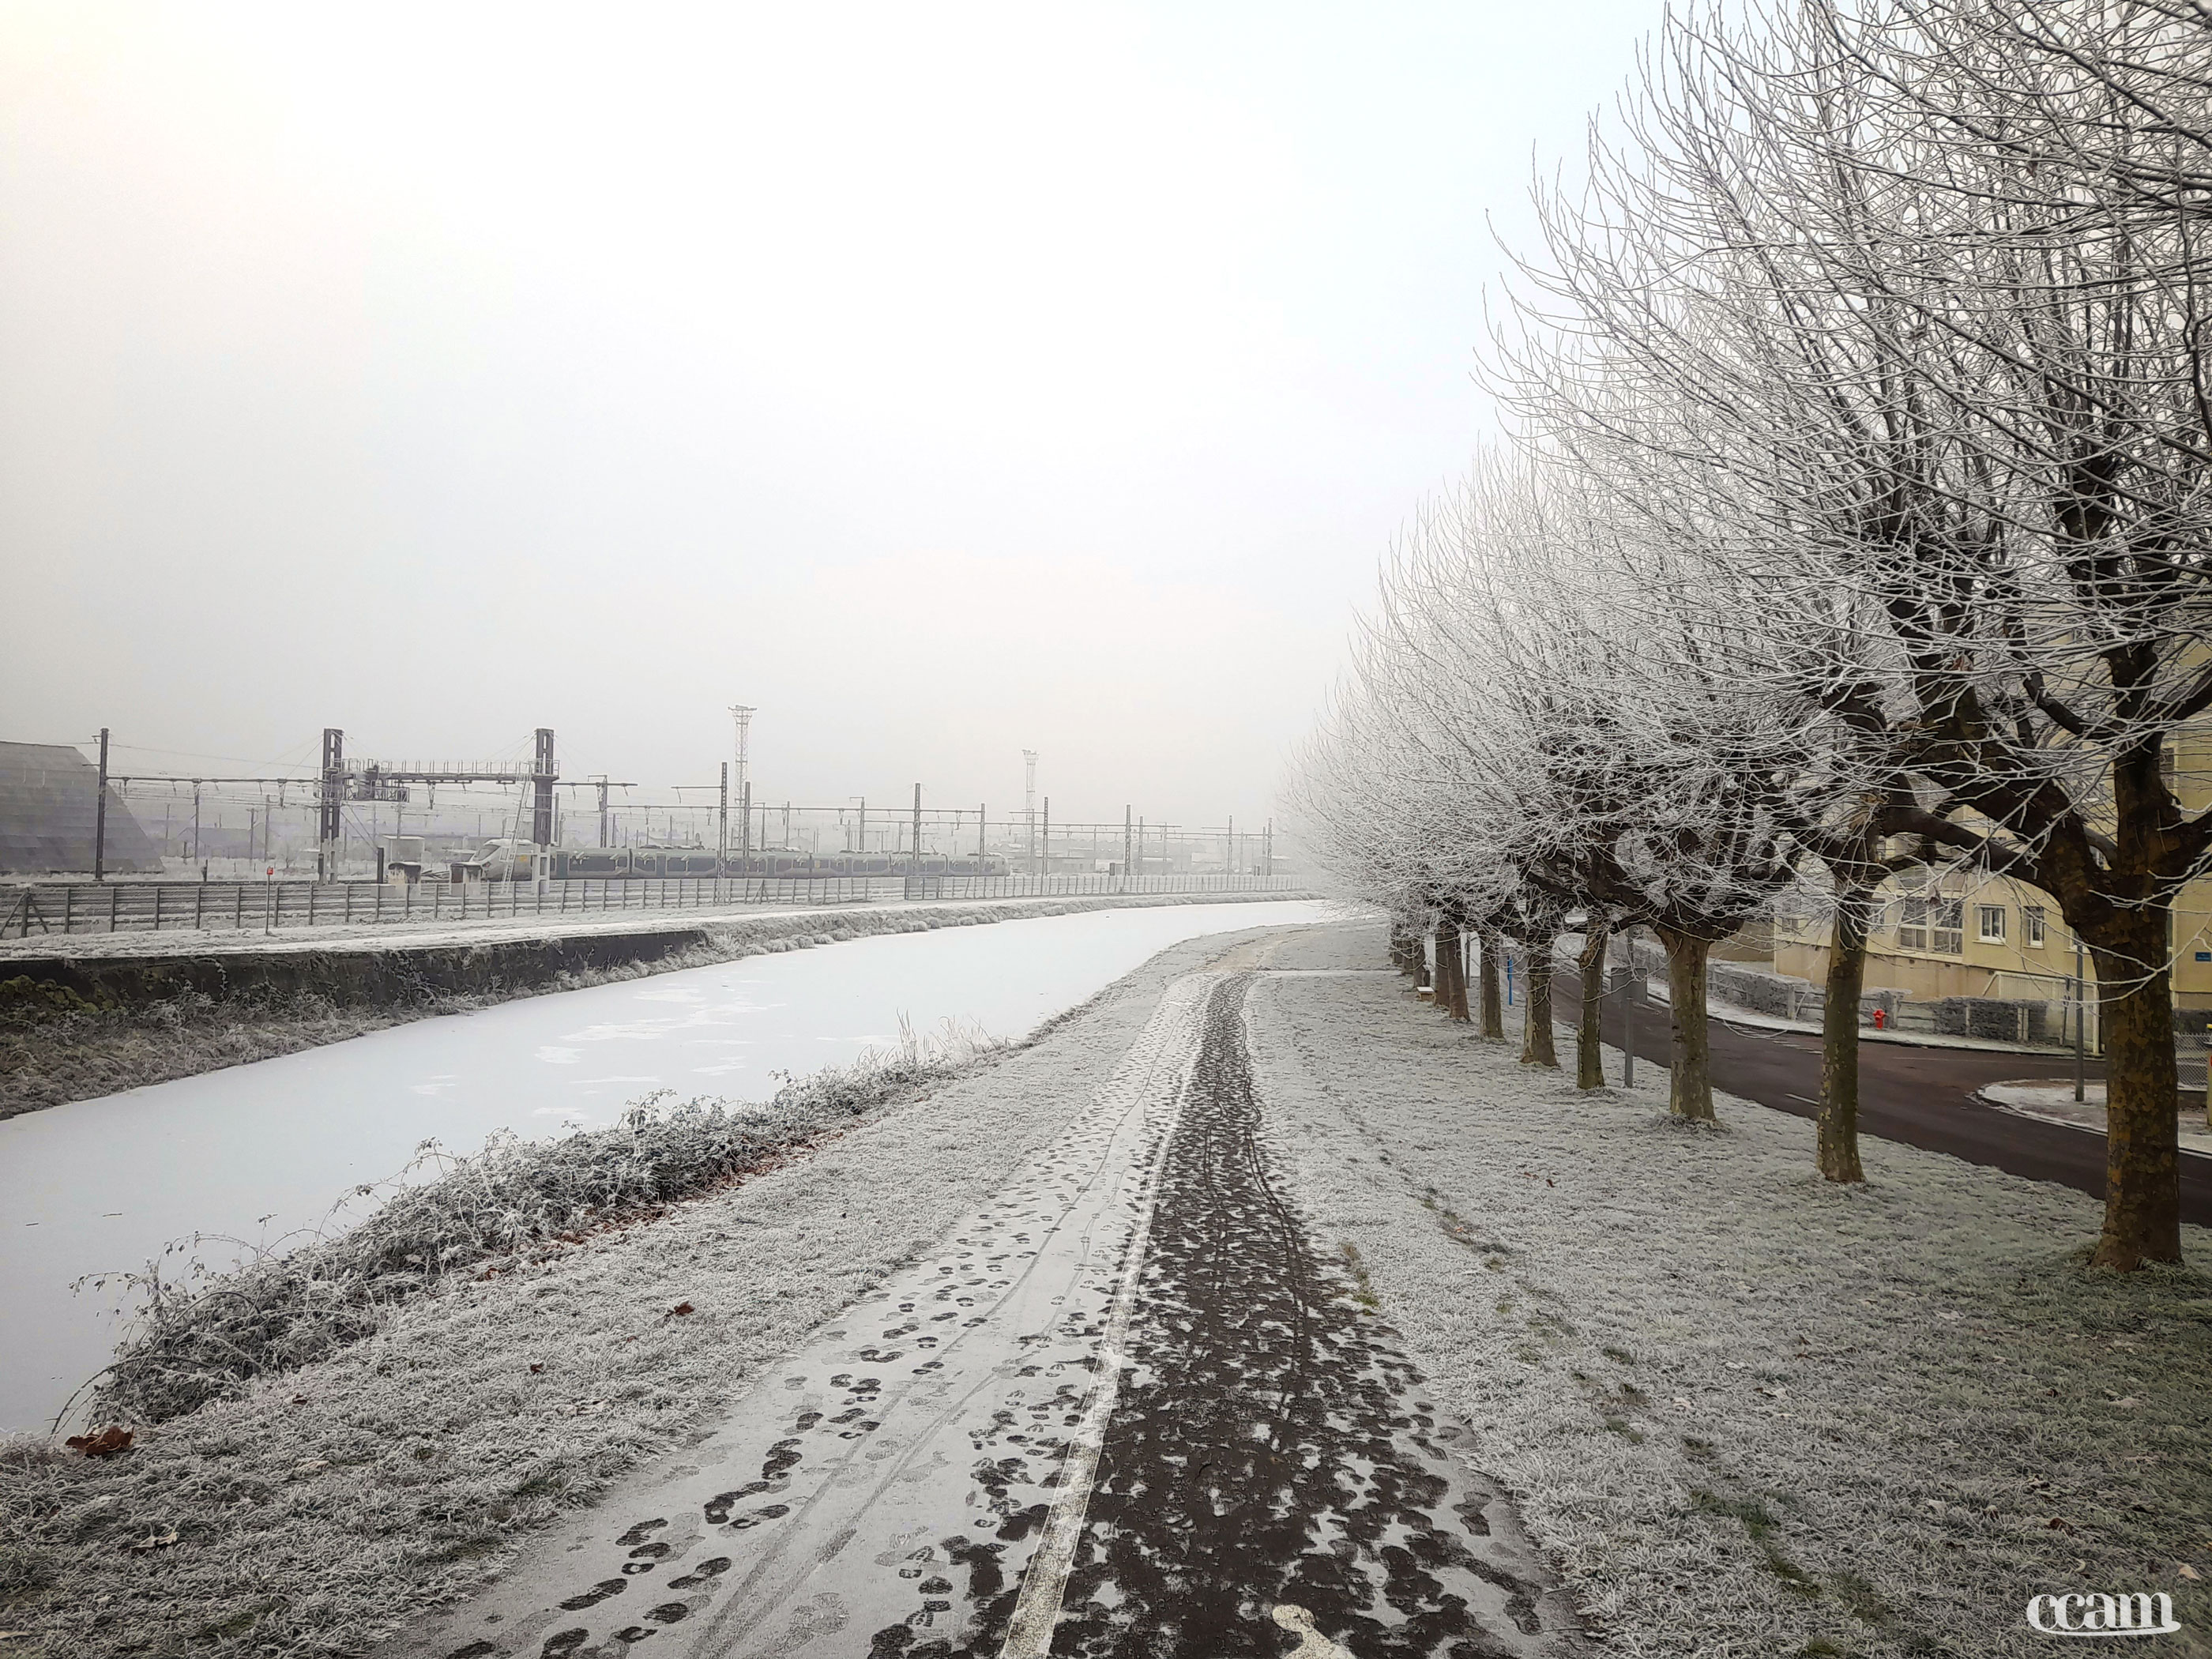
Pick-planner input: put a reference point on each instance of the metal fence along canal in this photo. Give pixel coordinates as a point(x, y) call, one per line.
point(66, 908)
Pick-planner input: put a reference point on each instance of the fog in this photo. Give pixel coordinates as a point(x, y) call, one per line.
point(943, 382)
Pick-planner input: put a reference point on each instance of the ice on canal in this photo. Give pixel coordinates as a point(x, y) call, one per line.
point(258, 1150)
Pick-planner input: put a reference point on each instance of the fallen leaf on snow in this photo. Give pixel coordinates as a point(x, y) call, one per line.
point(106, 1443)
point(159, 1542)
point(682, 1308)
point(2189, 1572)
point(312, 1466)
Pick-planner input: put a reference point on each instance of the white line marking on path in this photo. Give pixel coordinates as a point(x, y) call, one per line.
point(1029, 1634)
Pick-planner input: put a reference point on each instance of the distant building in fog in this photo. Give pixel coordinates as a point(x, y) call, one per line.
point(48, 792)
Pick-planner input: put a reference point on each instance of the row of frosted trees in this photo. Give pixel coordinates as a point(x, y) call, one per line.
point(1854, 519)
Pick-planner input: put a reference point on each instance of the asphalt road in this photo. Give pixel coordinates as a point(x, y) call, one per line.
point(1922, 1097)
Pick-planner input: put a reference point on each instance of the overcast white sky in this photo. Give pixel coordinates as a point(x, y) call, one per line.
point(943, 381)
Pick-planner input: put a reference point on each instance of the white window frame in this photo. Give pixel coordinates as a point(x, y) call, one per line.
point(1912, 925)
point(2033, 927)
point(1989, 924)
point(1947, 927)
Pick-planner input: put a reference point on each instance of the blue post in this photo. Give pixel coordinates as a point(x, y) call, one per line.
point(1509, 982)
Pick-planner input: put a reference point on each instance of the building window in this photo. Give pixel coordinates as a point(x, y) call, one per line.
point(1946, 932)
point(2031, 924)
point(1912, 925)
point(1990, 922)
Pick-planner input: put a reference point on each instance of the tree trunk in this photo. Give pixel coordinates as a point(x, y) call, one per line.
point(1421, 962)
point(1492, 998)
point(1590, 1041)
point(1409, 952)
point(1690, 1077)
point(1536, 1045)
point(2142, 1155)
point(1454, 941)
point(1401, 948)
point(1839, 1132)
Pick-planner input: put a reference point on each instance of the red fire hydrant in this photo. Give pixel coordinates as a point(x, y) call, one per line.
point(1881, 1018)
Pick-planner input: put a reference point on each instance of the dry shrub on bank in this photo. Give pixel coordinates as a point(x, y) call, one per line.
point(203, 1334)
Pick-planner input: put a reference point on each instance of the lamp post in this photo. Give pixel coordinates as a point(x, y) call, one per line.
point(99, 816)
point(2080, 1023)
point(1632, 993)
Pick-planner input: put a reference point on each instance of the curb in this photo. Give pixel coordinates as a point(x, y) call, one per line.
point(1981, 1098)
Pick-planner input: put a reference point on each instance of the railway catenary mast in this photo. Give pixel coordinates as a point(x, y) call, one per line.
point(1028, 797)
point(743, 714)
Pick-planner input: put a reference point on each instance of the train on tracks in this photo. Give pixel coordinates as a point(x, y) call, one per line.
point(516, 860)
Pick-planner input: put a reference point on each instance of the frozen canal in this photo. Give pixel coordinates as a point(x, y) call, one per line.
point(258, 1150)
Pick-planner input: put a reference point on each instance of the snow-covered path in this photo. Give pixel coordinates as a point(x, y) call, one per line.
point(1125, 1404)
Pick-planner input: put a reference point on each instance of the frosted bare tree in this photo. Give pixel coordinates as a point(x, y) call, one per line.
point(2031, 206)
point(1585, 759)
point(1861, 311)
point(1864, 520)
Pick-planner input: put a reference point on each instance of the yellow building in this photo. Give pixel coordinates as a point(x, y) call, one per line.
point(1966, 935)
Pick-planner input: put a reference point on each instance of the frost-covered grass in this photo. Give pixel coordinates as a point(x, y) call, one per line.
point(314, 1510)
point(82, 1053)
point(1749, 1413)
point(201, 1334)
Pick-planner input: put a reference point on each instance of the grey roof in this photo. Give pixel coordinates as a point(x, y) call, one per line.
point(47, 793)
